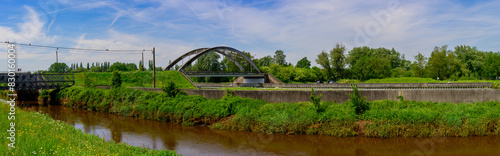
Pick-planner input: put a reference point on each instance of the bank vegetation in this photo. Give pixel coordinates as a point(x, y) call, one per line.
point(357, 117)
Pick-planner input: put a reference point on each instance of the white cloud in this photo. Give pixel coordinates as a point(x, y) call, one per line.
point(165, 49)
point(30, 30)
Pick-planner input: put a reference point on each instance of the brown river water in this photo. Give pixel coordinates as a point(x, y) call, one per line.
point(197, 140)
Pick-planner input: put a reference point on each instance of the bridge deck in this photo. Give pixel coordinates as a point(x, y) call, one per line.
point(27, 81)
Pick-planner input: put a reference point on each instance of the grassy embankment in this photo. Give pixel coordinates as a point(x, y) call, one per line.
point(384, 119)
point(135, 79)
point(39, 134)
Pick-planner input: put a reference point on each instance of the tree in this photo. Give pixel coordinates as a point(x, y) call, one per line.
point(131, 66)
point(367, 63)
point(265, 61)
point(442, 64)
point(59, 67)
point(228, 65)
point(208, 62)
point(419, 64)
point(338, 60)
point(141, 66)
point(150, 65)
point(471, 57)
point(324, 62)
point(118, 66)
point(279, 57)
point(304, 63)
point(491, 67)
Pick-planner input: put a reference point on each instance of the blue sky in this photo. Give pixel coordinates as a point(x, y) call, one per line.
point(300, 28)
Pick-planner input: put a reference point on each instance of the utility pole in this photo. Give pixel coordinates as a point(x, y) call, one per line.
point(142, 63)
point(57, 61)
point(154, 68)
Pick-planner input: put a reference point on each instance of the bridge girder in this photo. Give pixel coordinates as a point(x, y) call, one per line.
point(202, 51)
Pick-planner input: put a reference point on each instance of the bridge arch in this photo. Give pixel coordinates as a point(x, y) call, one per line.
point(202, 51)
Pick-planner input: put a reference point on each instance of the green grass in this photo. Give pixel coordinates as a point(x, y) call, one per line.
point(403, 80)
point(38, 134)
point(386, 118)
point(136, 79)
point(494, 83)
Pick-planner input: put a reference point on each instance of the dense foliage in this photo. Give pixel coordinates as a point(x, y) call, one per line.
point(38, 134)
point(98, 67)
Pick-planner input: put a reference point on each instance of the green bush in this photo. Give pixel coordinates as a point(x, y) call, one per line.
point(357, 101)
point(172, 90)
point(316, 100)
point(116, 80)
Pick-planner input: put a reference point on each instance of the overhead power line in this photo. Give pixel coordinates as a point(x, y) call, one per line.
point(81, 50)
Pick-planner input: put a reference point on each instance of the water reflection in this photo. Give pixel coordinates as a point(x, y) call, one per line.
point(204, 141)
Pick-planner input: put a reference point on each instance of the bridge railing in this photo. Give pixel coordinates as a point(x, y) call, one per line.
point(27, 81)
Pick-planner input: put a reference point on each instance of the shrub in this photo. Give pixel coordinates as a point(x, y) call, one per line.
point(357, 101)
point(172, 90)
point(229, 93)
point(316, 100)
point(400, 98)
point(117, 80)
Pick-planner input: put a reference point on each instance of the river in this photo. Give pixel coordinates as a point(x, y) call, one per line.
point(197, 140)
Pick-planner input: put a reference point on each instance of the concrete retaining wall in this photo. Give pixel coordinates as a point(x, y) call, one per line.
point(435, 95)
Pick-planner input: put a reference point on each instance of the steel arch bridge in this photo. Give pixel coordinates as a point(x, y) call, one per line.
point(223, 50)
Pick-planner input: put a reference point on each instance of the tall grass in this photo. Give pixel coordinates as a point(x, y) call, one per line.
point(385, 118)
point(38, 134)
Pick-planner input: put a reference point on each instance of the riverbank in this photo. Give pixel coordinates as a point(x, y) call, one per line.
point(39, 134)
point(384, 119)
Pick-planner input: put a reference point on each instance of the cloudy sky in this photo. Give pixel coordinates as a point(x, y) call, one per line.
point(301, 28)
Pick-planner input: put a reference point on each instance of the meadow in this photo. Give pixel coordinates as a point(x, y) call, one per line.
point(38, 134)
point(384, 119)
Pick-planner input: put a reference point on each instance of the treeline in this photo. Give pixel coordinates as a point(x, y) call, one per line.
point(363, 63)
point(99, 67)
